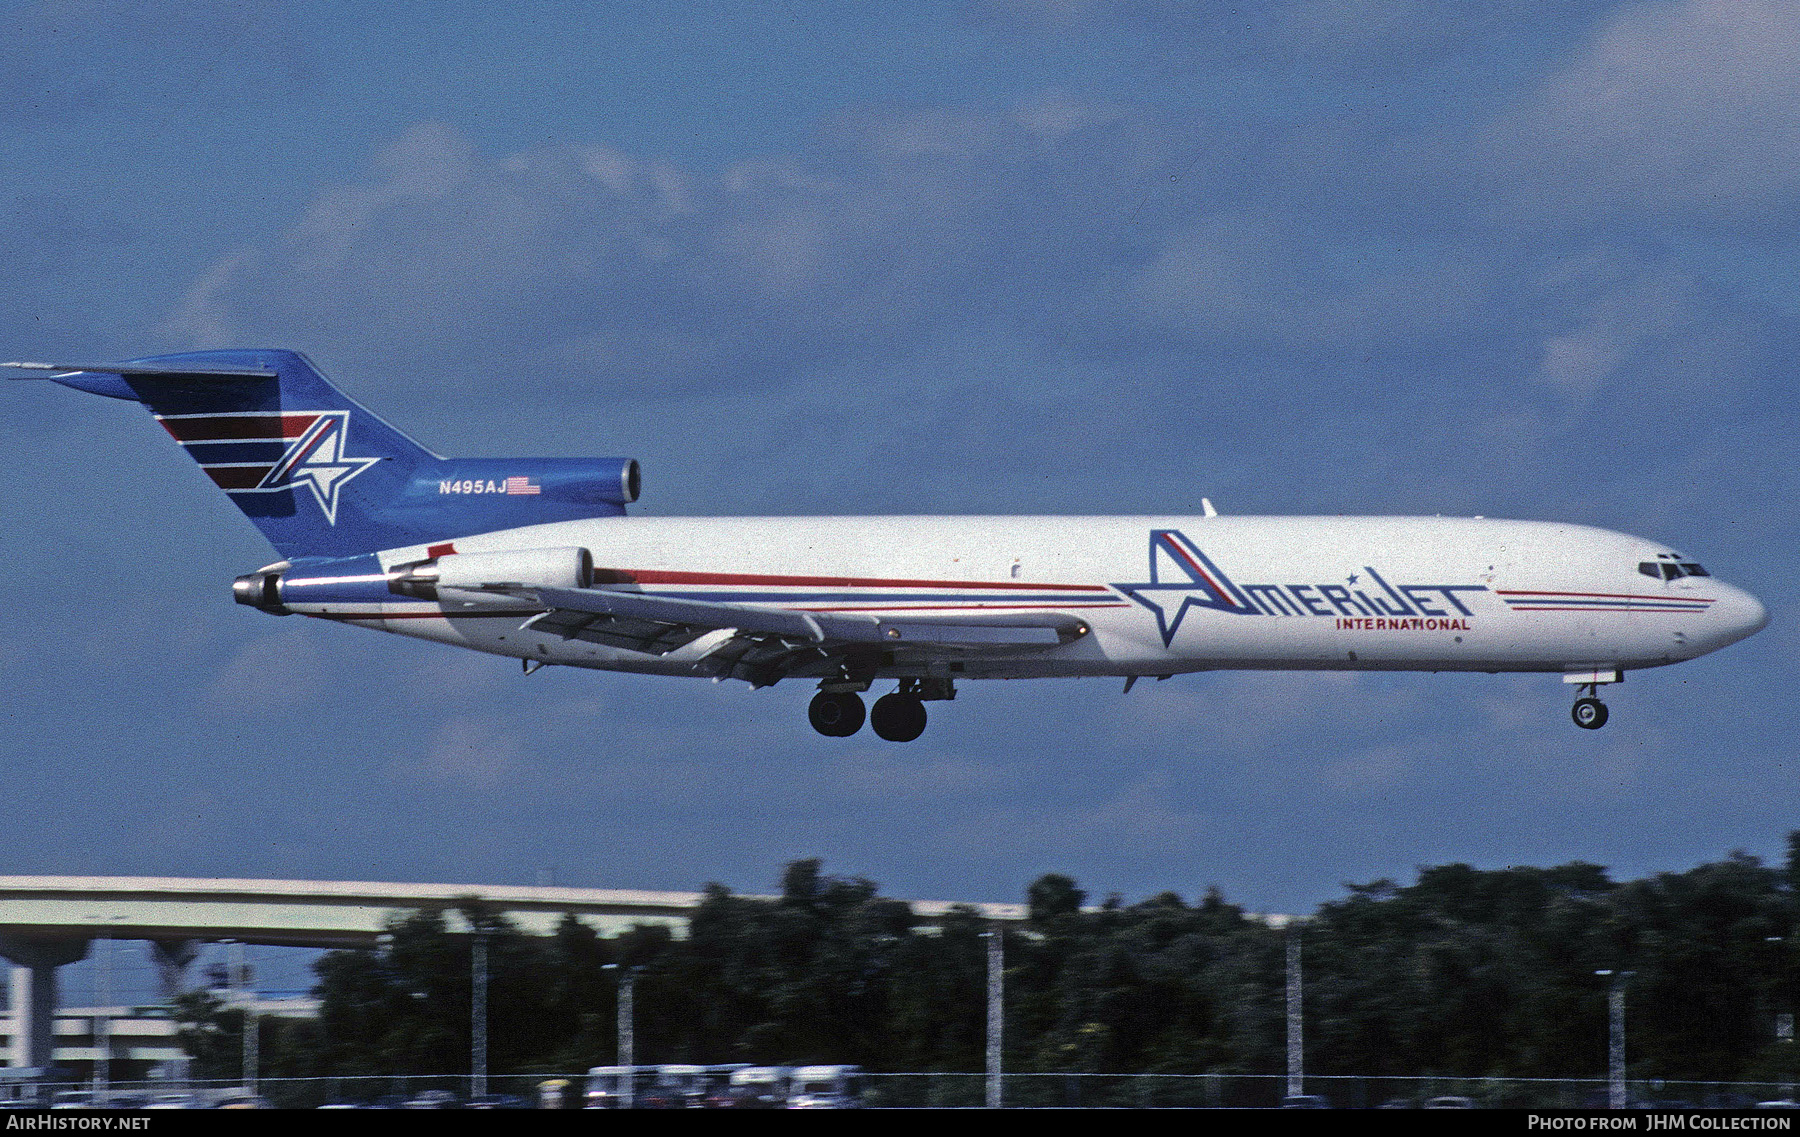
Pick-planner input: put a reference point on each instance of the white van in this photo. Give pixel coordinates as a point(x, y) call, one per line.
point(825, 1087)
point(760, 1087)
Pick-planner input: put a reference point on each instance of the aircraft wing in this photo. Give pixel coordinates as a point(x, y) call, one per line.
point(766, 644)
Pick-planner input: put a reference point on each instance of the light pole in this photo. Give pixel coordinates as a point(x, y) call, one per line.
point(478, 979)
point(1615, 1043)
point(244, 994)
point(102, 1022)
point(627, 1026)
point(996, 1012)
point(1784, 1019)
point(1296, 1052)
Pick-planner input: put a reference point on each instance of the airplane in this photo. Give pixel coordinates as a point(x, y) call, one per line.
point(535, 558)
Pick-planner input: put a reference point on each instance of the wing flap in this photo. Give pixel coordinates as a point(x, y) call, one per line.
point(698, 614)
point(977, 630)
point(653, 637)
point(767, 644)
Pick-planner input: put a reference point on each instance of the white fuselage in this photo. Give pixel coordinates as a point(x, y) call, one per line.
point(1157, 595)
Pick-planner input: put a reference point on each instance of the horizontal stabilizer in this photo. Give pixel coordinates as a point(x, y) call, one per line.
point(184, 371)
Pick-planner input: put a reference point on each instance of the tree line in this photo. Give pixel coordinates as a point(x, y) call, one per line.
point(1465, 972)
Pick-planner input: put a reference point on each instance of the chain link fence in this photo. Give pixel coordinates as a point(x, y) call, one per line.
point(956, 1091)
point(1245, 1091)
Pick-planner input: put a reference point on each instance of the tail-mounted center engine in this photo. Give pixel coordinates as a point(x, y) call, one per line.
point(347, 584)
point(488, 572)
point(261, 590)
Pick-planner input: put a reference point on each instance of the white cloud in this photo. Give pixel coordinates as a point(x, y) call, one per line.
point(1246, 274)
point(1690, 107)
point(471, 752)
point(269, 675)
point(937, 282)
point(1628, 308)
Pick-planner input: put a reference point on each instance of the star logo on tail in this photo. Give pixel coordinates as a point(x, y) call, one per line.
point(316, 460)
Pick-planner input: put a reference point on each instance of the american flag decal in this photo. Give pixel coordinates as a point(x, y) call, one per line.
point(522, 485)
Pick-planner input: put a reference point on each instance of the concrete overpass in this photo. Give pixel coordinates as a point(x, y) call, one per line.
point(49, 921)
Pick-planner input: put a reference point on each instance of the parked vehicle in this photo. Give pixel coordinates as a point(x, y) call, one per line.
point(431, 1099)
point(676, 1087)
point(758, 1087)
point(618, 1087)
point(825, 1087)
point(553, 1093)
point(716, 1086)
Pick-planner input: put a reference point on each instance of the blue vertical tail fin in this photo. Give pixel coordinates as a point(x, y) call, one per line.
point(322, 476)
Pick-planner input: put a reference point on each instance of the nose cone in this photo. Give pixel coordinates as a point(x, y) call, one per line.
point(1735, 615)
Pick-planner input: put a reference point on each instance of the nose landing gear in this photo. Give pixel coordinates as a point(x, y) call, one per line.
point(1589, 712)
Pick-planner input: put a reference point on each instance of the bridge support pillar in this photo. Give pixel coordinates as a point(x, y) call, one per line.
point(34, 992)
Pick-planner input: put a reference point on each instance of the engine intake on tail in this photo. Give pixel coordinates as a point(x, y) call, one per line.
point(479, 572)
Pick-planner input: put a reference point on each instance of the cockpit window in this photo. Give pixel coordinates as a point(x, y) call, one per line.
point(1670, 570)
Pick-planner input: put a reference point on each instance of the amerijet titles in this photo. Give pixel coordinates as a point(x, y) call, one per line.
point(1182, 577)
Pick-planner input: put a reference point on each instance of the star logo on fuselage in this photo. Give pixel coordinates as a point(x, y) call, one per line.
point(316, 460)
point(1182, 578)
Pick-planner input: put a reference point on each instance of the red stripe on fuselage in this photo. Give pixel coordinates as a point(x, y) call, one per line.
point(904, 606)
point(654, 576)
point(1609, 596)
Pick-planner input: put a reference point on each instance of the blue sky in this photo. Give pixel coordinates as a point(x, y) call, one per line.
point(1014, 256)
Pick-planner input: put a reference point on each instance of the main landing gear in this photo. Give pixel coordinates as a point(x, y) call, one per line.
point(836, 714)
point(899, 717)
point(1589, 712)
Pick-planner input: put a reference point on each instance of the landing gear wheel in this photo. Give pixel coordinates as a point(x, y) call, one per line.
point(836, 714)
point(898, 718)
point(1589, 714)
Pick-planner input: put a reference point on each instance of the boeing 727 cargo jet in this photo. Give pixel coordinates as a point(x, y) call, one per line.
point(535, 558)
